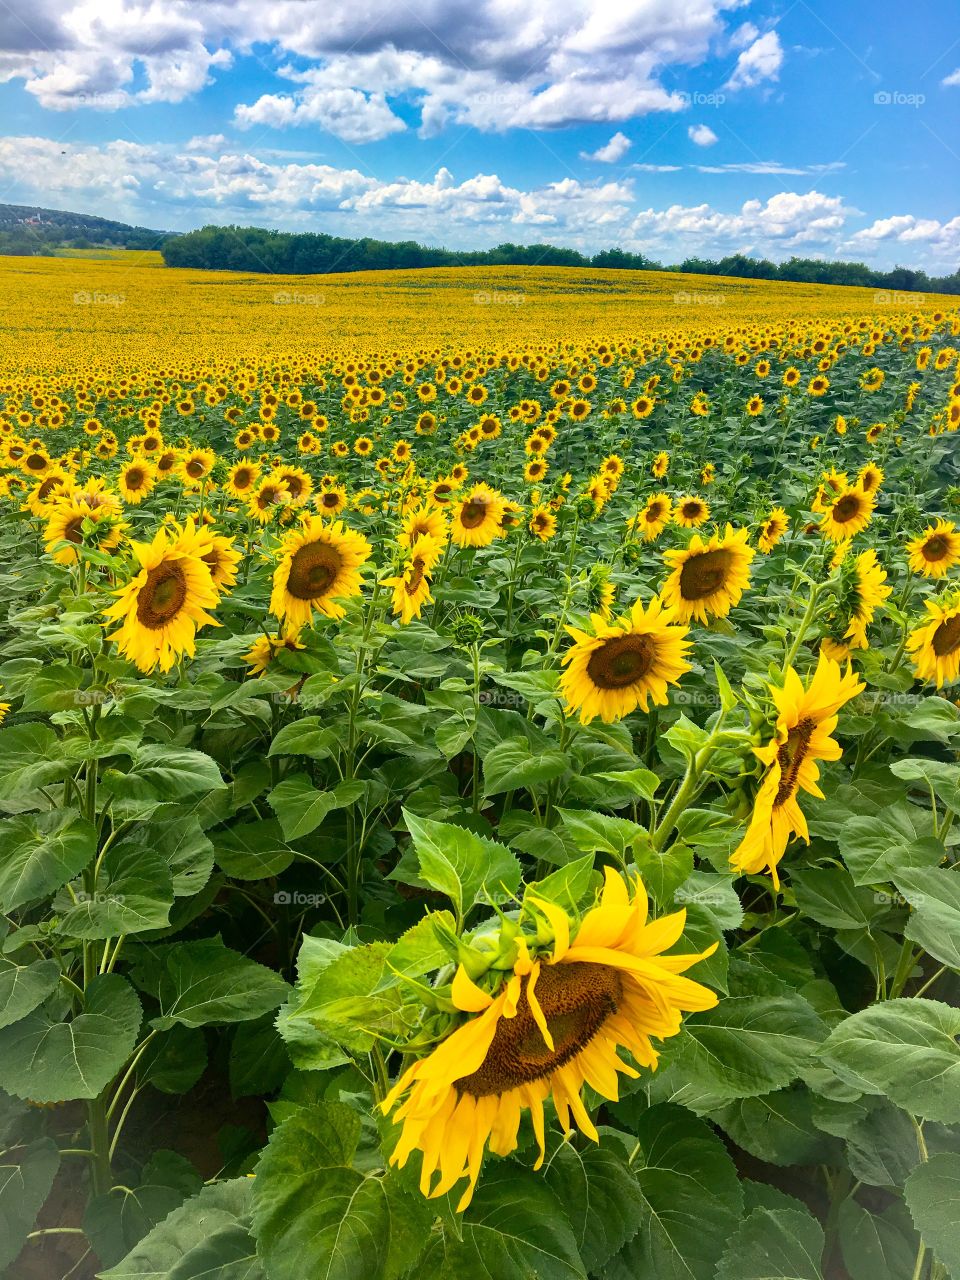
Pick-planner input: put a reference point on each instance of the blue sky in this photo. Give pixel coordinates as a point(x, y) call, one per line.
point(672, 127)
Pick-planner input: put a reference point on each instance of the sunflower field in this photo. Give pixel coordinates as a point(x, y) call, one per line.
point(481, 806)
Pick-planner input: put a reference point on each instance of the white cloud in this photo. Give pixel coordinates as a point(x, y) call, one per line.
point(786, 222)
point(940, 241)
point(610, 152)
point(771, 167)
point(761, 61)
point(658, 168)
point(952, 79)
point(702, 135)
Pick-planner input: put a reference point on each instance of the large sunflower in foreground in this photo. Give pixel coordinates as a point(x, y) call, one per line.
point(319, 564)
point(555, 1024)
point(709, 576)
point(936, 551)
point(936, 645)
point(806, 718)
point(847, 514)
point(623, 663)
point(476, 517)
point(161, 609)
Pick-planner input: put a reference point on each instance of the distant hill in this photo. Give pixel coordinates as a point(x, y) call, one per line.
point(28, 230)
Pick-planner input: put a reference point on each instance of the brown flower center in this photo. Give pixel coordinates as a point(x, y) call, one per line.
point(704, 574)
point(847, 508)
point(791, 756)
point(474, 513)
point(330, 500)
point(135, 478)
point(621, 661)
point(946, 638)
point(313, 571)
point(162, 595)
point(691, 510)
point(936, 548)
point(194, 469)
point(576, 1000)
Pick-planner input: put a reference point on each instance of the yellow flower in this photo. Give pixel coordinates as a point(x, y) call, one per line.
point(936, 645)
point(772, 530)
point(319, 564)
point(623, 663)
point(476, 518)
point(936, 551)
point(690, 512)
point(806, 718)
point(709, 576)
point(555, 1023)
point(846, 514)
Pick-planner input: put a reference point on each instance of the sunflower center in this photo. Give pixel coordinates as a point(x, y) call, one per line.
point(576, 1000)
point(162, 596)
point(72, 530)
point(791, 756)
point(691, 510)
point(946, 638)
point(935, 548)
point(135, 479)
point(847, 508)
point(473, 514)
point(313, 570)
point(621, 661)
point(194, 469)
point(330, 500)
point(704, 574)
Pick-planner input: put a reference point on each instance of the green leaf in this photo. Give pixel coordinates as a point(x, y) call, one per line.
point(25, 986)
point(116, 1222)
point(159, 773)
point(259, 1060)
point(714, 894)
point(49, 1061)
point(747, 1046)
point(934, 923)
point(26, 1177)
point(596, 832)
point(942, 777)
point(134, 892)
point(692, 1198)
point(467, 868)
point(601, 1197)
point(830, 896)
point(906, 1049)
point(896, 838)
point(41, 852)
point(664, 873)
point(203, 982)
point(343, 997)
point(31, 756)
point(313, 1216)
point(775, 1127)
point(422, 948)
point(252, 850)
point(206, 1238)
point(774, 1244)
point(513, 764)
point(567, 887)
point(514, 1227)
point(310, 736)
point(933, 1197)
point(874, 1245)
point(301, 808)
point(182, 844)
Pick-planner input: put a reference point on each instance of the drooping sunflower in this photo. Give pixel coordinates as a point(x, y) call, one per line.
point(772, 530)
point(265, 648)
point(690, 512)
point(847, 514)
point(862, 591)
point(319, 564)
point(411, 587)
point(806, 719)
point(617, 667)
point(936, 551)
point(555, 1023)
point(870, 477)
point(476, 517)
point(709, 576)
point(163, 606)
point(136, 480)
point(935, 645)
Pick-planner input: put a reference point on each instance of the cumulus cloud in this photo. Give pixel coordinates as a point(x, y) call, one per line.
point(785, 222)
point(610, 152)
point(761, 61)
point(702, 135)
point(939, 240)
point(493, 64)
point(952, 79)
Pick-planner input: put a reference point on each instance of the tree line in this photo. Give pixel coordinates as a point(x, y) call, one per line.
point(255, 249)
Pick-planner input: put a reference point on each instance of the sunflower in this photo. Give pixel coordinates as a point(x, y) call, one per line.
point(241, 478)
point(543, 524)
point(161, 609)
point(319, 564)
point(47, 492)
point(690, 513)
point(846, 514)
point(754, 406)
point(265, 648)
point(535, 470)
point(870, 477)
point(936, 644)
point(709, 576)
point(67, 518)
point(297, 483)
point(136, 480)
point(642, 407)
point(806, 717)
point(661, 464)
point(216, 551)
point(862, 591)
point(616, 668)
point(936, 551)
point(772, 530)
point(197, 464)
point(555, 1023)
point(331, 501)
point(269, 497)
point(411, 587)
point(708, 473)
point(818, 386)
point(476, 518)
point(423, 521)
point(654, 517)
